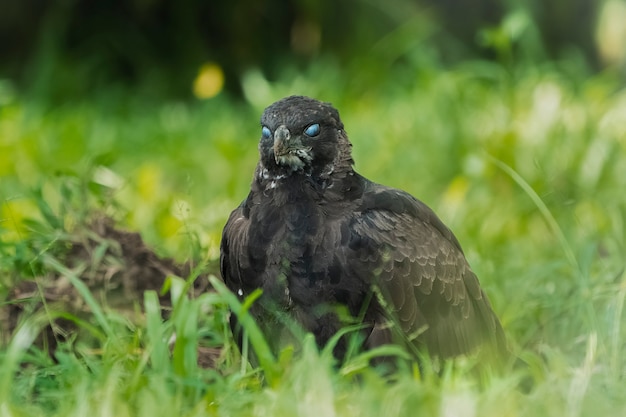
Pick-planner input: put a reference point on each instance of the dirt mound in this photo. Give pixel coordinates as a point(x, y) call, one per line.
point(116, 266)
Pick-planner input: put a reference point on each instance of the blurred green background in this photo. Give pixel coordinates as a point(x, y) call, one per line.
point(507, 117)
point(155, 103)
point(66, 49)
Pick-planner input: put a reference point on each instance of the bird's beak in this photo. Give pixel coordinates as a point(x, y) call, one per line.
point(281, 141)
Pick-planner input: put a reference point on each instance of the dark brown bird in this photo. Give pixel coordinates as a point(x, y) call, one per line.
point(321, 241)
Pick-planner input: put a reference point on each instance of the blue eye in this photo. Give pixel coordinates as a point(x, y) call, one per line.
point(312, 130)
point(265, 132)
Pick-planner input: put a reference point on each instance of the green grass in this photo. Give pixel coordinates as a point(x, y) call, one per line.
point(525, 166)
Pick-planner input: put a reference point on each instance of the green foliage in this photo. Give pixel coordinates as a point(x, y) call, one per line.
point(524, 164)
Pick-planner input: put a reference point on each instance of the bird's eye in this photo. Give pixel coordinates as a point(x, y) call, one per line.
point(312, 130)
point(266, 132)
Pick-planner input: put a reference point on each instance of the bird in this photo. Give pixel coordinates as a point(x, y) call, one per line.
point(325, 245)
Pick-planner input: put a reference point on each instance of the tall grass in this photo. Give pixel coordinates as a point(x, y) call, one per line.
point(525, 166)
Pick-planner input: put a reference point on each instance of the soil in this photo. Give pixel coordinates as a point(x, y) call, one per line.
point(117, 267)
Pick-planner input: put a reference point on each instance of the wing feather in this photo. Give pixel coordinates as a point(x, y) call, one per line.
point(233, 246)
point(421, 270)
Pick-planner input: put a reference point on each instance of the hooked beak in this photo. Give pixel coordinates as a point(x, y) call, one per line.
point(282, 137)
point(289, 151)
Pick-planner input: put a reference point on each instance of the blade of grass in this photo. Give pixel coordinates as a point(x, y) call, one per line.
point(543, 209)
point(185, 352)
point(581, 380)
point(159, 355)
point(262, 349)
point(364, 359)
point(615, 330)
point(20, 342)
point(45, 210)
point(83, 290)
point(556, 229)
point(332, 342)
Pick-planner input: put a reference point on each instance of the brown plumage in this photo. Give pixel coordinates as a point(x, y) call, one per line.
point(319, 239)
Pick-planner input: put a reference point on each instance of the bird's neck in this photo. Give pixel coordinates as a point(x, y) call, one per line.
point(331, 183)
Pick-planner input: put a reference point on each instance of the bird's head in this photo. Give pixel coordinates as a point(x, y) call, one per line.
point(302, 135)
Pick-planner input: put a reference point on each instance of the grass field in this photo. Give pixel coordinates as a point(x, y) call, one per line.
point(526, 166)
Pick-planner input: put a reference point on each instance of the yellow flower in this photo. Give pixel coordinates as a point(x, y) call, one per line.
point(209, 81)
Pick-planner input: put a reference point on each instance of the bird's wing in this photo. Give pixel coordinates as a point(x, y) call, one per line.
point(232, 248)
point(421, 273)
